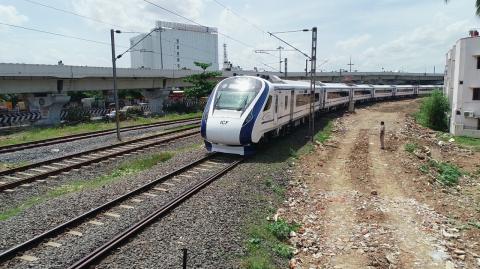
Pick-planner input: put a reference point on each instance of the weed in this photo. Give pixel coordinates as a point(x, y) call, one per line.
point(411, 147)
point(474, 224)
point(448, 173)
point(424, 168)
point(293, 153)
point(281, 229)
point(283, 250)
point(325, 133)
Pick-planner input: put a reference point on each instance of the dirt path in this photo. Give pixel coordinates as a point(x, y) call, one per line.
point(354, 201)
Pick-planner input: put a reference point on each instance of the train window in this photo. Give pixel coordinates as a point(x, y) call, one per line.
point(478, 62)
point(476, 94)
point(276, 104)
point(286, 102)
point(302, 99)
point(269, 103)
point(317, 97)
point(335, 95)
point(236, 93)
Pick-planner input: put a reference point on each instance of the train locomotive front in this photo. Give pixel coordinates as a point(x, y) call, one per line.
point(231, 114)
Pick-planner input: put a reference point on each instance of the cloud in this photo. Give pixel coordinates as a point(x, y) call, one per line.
point(353, 42)
point(137, 15)
point(9, 14)
point(423, 46)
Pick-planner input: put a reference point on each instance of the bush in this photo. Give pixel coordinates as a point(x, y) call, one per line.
point(433, 112)
point(410, 147)
point(283, 251)
point(76, 114)
point(281, 229)
point(448, 173)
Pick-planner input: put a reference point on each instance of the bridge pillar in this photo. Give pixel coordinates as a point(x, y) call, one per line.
point(50, 107)
point(155, 98)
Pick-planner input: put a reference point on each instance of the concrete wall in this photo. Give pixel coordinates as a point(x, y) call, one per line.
point(462, 76)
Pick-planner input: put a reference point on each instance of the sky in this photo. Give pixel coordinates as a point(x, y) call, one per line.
point(391, 35)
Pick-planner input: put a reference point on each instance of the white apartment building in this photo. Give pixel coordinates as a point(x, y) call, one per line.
point(462, 86)
point(176, 46)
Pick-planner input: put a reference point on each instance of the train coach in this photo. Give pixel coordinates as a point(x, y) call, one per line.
point(242, 110)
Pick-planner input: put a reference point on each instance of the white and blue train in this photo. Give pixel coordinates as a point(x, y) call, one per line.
point(242, 110)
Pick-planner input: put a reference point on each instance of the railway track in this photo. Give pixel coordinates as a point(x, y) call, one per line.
point(70, 138)
point(205, 170)
point(38, 172)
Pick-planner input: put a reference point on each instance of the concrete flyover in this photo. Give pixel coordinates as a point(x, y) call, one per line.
point(32, 78)
point(45, 87)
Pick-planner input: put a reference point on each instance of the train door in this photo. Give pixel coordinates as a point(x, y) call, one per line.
point(275, 113)
point(292, 100)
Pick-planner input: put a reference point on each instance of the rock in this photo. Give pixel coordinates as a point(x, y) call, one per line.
point(391, 258)
point(293, 234)
point(451, 140)
point(459, 252)
point(292, 264)
point(449, 235)
point(449, 265)
point(461, 257)
point(441, 143)
point(374, 193)
point(55, 150)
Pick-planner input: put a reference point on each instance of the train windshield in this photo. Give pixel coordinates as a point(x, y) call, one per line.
point(236, 93)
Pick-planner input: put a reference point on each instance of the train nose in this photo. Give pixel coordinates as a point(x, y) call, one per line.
point(224, 130)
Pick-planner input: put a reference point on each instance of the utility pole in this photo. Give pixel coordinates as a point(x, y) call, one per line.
point(313, 68)
point(306, 67)
point(115, 91)
point(280, 48)
point(350, 64)
point(285, 69)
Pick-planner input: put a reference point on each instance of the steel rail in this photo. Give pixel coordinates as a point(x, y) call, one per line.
point(11, 252)
point(70, 138)
point(122, 237)
point(71, 166)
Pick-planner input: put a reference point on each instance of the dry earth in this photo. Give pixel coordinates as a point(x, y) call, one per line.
point(363, 207)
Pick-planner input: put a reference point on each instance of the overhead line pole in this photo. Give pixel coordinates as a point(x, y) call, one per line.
point(115, 91)
point(313, 70)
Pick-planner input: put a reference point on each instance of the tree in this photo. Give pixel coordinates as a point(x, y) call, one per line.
point(202, 84)
point(433, 112)
point(477, 5)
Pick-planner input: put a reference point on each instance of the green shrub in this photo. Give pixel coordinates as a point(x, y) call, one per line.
point(433, 112)
point(448, 173)
point(410, 147)
point(281, 229)
point(283, 250)
point(424, 168)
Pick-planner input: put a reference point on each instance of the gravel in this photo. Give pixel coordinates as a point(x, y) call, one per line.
point(211, 225)
point(59, 150)
point(51, 213)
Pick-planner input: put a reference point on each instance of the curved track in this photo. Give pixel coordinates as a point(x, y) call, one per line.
point(69, 138)
point(212, 163)
point(23, 175)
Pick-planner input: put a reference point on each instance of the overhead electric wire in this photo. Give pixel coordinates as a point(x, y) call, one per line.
point(241, 17)
point(194, 22)
point(58, 34)
point(71, 13)
point(105, 23)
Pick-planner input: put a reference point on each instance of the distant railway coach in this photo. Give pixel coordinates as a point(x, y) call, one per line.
point(243, 110)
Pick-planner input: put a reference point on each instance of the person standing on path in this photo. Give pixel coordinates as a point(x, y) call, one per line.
point(382, 135)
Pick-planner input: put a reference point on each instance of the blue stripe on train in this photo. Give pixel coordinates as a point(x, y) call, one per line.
point(246, 130)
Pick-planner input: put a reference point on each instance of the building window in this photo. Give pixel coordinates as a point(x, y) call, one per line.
point(476, 94)
point(178, 47)
point(178, 40)
point(178, 66)
point(178, 53)
point(478, 62)
point(178, 60)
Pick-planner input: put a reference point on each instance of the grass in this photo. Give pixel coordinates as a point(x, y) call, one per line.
point(411, 147)
point(464, 141)
point(267, 241)
point(325, 133)
point(37, 133)
point(446, 173)
point(126, 168)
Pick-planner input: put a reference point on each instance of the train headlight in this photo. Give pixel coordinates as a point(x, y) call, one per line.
point(248, 119)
